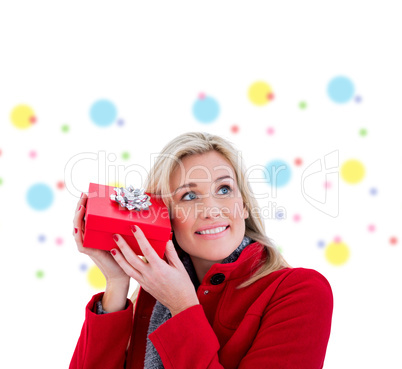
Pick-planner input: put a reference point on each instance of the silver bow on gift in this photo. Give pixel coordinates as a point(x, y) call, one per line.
point(131, 198)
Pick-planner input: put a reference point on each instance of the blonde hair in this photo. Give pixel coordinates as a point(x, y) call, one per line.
point(193, 143)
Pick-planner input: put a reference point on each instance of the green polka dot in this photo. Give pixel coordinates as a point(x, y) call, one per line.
point(1, 181)
point(125, 155)
point(302, 105)
point(40, 274)
point(65, 128)
point(363, 132)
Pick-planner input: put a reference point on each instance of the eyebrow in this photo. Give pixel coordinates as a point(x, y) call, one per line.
point(192, 184)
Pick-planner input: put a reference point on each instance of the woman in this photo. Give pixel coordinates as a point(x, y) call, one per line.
point(222, 297)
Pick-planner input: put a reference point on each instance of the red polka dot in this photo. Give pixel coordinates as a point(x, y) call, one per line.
point(270, 96)
point(1, 152)
point(235, 128)
point(337, 239)
point(393, 240)
point(298, 161)
point(32, 119)
point(60, 185)
point(270, 130)
point(201, 95)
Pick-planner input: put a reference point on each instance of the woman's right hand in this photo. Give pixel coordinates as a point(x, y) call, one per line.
point(105, 262)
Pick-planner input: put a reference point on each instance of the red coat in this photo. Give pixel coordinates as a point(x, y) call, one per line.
point(281, 321)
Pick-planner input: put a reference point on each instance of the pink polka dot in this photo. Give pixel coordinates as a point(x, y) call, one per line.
point(271, 96)
point(371, 228)
point(296, 217)
point(393, 240)
point(32, 119)
point(298, 162)
point(327, 184)
point(59, 241)
point(235, 128)
point(201, 95)
point(33, 154)
point(270, 130)
point(60, 185)
point(337, 239)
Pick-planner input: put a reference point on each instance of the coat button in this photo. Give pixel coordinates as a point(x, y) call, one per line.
point(217, 278)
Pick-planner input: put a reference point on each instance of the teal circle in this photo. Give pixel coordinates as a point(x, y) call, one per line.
point(39, 196)
point(206, 109)
point(279, 172)
point(103, 113)
point(341, 89)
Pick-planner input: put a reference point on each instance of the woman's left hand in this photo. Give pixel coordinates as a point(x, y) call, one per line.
point(170, 283)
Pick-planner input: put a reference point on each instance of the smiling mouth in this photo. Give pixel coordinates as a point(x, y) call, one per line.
point(213, 230)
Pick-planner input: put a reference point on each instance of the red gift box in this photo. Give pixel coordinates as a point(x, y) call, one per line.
point(105, 217)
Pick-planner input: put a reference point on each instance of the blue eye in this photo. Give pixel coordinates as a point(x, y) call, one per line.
point(189, 193)
point(225, 187)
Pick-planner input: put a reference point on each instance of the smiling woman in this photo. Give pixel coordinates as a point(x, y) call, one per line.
point(223, 296)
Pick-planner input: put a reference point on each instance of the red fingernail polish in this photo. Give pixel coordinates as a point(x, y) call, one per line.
point(133, 228)
point(80, 208)
point(115, 238)
point(113, 252)
point(75, 230)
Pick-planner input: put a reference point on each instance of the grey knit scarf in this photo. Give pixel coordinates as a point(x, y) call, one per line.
point(161, 313)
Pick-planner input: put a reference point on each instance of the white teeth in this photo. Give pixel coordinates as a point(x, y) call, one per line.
point(213, 230)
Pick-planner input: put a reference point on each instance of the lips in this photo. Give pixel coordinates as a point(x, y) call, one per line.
point(213, 229)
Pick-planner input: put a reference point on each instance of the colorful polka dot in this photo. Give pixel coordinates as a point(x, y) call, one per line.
point(260, 93)
point(358, 99)
point(363, 132)
point(33, 154)
point(352, 171)
point(103, 113)
point(340, 89)
point(83, 267)
point(120, 122)
point(59, 241)
point(270, 131)
point(373, 191)
point(206, 109)
point(280, 214)
point(279, 173)
point(296, 218)
point(22, 116)
point(371, 228)
point(39, 196)
point(321, 243)
point(41, 238)
point(60, 185)
point(393, 240)
point(327, 184)
point(337, 253)
point(40, 274)
point(95, 278)
point(125, 155)
point(302, 105)
point(298, 162)
point(1, 181)
point(234, 128)
point(65, 128)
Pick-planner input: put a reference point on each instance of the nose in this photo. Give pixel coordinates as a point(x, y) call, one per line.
point(209, 208)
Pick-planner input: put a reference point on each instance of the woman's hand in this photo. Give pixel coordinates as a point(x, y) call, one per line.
point(105, 262)
point(170, 283)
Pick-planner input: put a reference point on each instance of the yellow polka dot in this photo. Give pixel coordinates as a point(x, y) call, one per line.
point(259, 93)
point(352, 171)
point(95, 278)
point(22, 116)
point(116, 184)
point(337, 253)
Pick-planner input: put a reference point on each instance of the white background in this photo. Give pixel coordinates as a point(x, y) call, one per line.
point(152, 60)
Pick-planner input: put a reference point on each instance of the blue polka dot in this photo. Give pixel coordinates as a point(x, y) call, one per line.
point(279, 215)
point(83, 267)
point(321, 243)
point(373, 191)
point(40, 196)
point(279, 173)
point(42, 238)
point(206, 109)
point(103, 113)
point(341, 89)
